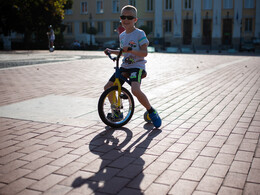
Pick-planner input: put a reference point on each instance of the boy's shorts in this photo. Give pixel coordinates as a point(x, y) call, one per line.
point(134, 75)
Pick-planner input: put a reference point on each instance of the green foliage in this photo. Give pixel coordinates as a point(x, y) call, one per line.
point(32, 17)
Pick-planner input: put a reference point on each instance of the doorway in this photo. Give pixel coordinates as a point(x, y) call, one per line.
point(227, 32)
point(207, 32)
point(187, 31)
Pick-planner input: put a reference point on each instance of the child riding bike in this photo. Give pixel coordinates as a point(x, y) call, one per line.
point(133, 65)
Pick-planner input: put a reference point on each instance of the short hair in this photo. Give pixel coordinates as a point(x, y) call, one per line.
point(130, 8)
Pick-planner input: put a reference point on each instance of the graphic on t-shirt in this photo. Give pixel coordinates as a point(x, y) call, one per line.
point(129, 60)
point(132, 44)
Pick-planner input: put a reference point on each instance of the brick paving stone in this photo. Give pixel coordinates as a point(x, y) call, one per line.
point(235, 180)
point(227, 190)
point(256, 163)
point(130, 191)
point(183, 187)
point(42, 172)
point(180, 165)
point(244, 156)
point(203, 162)
point(142, 181)
point(240, 167)
point(208, 143)
point(225, 159)
point(47, 182)
point(58, 189)
point(17, 186)
point(251, 188)
point(210, 151)
point(155, 189)
point(29, 192)
point(169, 177)
point(193, 173)
point(218, 170)
point(210, 184)
point(254, 176)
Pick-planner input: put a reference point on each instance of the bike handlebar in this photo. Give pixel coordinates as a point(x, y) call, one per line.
point(119, 55)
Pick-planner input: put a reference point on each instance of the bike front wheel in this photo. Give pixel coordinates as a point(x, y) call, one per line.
point(111, 112)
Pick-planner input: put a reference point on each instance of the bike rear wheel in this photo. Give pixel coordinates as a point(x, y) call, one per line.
point(112, 114)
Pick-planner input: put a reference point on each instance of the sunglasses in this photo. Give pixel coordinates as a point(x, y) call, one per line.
point(127, 17)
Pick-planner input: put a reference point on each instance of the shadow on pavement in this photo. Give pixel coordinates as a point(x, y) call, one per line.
point(126, 165)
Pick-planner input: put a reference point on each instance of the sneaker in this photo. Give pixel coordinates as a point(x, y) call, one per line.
point(155, 118)
point(117, 116)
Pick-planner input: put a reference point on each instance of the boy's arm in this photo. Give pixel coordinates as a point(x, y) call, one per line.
point(116, 52)
point(141, 53)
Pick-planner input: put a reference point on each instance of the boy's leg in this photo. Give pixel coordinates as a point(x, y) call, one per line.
point(136, 90)
point(108, 85)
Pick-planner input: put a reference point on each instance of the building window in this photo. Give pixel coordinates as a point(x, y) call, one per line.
point(249, 4)
point(69, 27)
point(68, 12)
point(207, 4)
point(100, 28)
point(149, 5)
point(248, 24)
point(84, 7)
point(100, 9)
point(168, 26)
point(132, 2)
point(168, 4)
point(227, 4)
point(150, 25)
point(84, 27)
point(115, 26)
point(187, 4)
point(115, 6)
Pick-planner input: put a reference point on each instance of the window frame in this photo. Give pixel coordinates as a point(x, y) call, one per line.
point(189, 4)
point(149, 5)
point(84, 26)
point(100, 7)
point(168, 26)
point(227, 4)
point(168, 5)
point(248, 25)
point(100, 27)
point(132, 2)
point(249, 4)
point(207, 4)
point(116, 6)
point(83, 8)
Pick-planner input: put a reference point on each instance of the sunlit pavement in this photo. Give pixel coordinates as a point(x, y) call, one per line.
point(53, 141)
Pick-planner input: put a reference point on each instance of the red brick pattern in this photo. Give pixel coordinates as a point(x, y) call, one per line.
point(208, 143)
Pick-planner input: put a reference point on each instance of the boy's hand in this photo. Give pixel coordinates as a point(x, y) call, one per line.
point(107, 50)
point(127, 49)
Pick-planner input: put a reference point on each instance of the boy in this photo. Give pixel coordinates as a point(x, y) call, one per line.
point(134, 62)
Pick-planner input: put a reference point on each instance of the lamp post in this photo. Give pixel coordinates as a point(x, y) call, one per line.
point(90, 21)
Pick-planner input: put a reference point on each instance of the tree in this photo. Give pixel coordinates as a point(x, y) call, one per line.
point(31, 17)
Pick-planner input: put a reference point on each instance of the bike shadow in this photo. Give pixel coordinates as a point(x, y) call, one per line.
point(120, 163)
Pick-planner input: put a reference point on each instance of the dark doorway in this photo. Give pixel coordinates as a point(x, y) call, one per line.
point(227, 32)
point(207, 32)
point(187, 31)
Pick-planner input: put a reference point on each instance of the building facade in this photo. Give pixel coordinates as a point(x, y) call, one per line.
point(200, 23)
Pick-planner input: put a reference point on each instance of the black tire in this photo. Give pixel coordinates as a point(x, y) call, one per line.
point(127, 110)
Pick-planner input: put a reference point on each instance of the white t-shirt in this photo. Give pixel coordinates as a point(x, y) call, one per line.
point(134, 39)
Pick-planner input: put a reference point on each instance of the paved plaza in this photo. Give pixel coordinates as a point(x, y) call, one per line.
point(53, 141)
